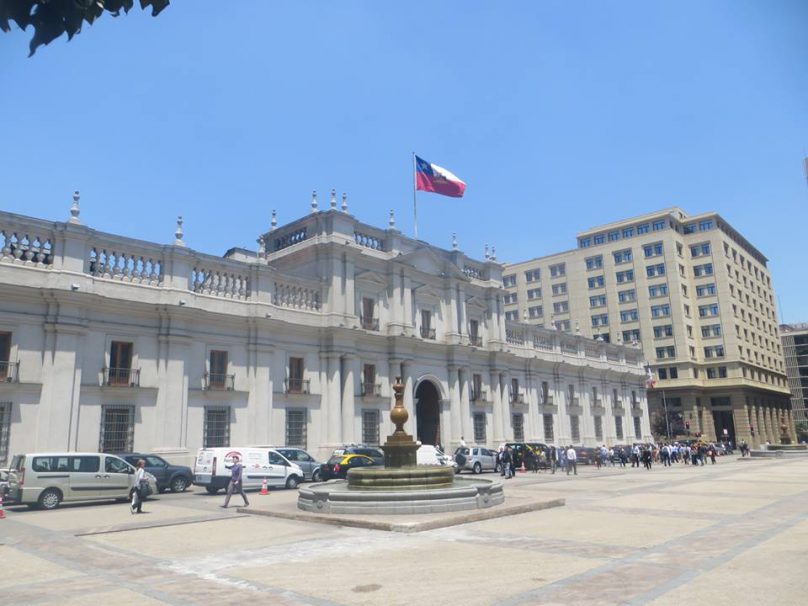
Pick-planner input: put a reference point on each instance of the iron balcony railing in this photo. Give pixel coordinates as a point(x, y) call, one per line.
point(9, 371)
point(477, 396)
point(427, 333)
point(476, 340)
point(371, 390)
point(300, 386)
point(122, 377)
point(219, 381)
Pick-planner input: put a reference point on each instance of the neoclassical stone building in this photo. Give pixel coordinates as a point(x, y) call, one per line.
point(113, 343)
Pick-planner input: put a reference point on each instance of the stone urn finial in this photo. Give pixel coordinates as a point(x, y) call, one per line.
point(178, 234)
point(75, 210)
point(314, 201)
point(399, 414)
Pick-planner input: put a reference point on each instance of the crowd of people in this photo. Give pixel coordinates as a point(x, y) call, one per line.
point(512, 457)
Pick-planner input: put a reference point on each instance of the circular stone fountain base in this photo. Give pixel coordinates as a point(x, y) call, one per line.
point(338, 496)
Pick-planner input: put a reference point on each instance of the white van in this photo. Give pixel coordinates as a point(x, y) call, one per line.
point(46, 479)
point(212, 468)
point(429, 455)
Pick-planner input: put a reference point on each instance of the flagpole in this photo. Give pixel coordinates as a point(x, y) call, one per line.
point(414, 204)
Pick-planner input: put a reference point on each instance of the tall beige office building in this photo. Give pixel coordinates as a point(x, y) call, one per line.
point(795, 349)
point(695, 295)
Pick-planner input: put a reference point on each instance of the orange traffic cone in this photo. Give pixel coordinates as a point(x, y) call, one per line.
point(264, 487)
point(2, 511)
point(522, 468)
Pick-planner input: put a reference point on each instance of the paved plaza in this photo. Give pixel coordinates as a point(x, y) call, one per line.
point(732, 533)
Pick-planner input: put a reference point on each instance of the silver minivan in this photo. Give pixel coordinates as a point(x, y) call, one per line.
point(47, 479)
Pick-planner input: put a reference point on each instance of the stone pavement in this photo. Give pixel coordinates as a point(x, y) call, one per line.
point(733, 533)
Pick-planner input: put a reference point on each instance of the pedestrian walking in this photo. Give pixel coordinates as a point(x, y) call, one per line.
point(572, 460)
point(140, 488)
point(507, 463)
point(236, 484)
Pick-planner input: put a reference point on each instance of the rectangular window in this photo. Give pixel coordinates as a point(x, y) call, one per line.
point(666, 330)
point(673, 372)
point(653, 250)
point(560, 289)
point(575, 428)
point(370, 427)
point(117, 428)
point(597, 301)
point(655, 270)
point(510, 298)
point(703, 270)
point(534, 293)
point(637, 428)
point(545, 393)
point(629, 315)
point(508, 281)
point(714, 351)
point(658, 225)
point(558, 270)
point(706, 290)
point(628, 232)
point(706, 311)
point(296, 427)
point(369, 380)
point(625, 276)
point(296, 384)
point(618, 427)
point(594, 262)
point(622, 256)
point(368, 320)
point(711, 330)
point(614, 236)
point(705, 225)
point(660, 311)
point(5, 431)
point(599, 239)
point(561, 307)
point(535, 312)
point(627, 296)
point(476, 388)
point(5, 356)
point(662, 373)
point(216, 431)
point(700, 250)
point(600, 320)
point(511, 316)
point(598, 428)
point(643, 229)
point(120, 363)
point(217, 377)
point(549, 434)
point(533, 275)
point(658, 290)
point(479, 427)
point(585, 242)
point(595, 282)
point(631, 336)
point(518, 427)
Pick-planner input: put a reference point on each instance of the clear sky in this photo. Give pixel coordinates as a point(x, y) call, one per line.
point(560, 116)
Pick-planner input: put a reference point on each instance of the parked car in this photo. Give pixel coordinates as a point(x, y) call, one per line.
point(339, 465)
point(306, 462)
point(375, 453)
point(169, 477)
point(430, 455)
point(47, 479)
point(475, 459)
point(586, 455)
point(212, 468)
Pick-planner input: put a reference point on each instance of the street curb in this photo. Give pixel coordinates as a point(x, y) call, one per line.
point(411, 527)
point(161, 524)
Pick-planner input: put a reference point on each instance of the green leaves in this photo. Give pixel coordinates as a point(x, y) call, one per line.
point(52, 18)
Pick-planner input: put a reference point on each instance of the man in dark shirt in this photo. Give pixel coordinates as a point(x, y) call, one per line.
point(235, 484)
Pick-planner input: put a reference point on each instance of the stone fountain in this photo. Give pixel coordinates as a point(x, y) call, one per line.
point(401, 486)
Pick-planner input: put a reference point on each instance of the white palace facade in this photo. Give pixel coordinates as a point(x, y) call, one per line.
point(117, 344)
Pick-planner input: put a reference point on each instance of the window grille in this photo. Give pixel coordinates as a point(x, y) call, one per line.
point(216, 432)
point(479, 428)
point(5, 430)
point(598, 428)
point(296, 427)
point(370, 427)
point(117, 429)
point(637, 428)
point(549, 435)
point(575, 428)
point(518, 427)
point(618, 427)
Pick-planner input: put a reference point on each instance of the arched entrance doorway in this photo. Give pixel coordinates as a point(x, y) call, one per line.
point(427, 413)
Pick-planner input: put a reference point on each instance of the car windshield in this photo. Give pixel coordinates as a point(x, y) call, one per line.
point(463, 451)
point(335, 459)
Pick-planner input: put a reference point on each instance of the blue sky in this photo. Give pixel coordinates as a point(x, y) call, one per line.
point(559, 115)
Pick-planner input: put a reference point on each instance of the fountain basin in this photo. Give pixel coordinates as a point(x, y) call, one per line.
point(337, 496)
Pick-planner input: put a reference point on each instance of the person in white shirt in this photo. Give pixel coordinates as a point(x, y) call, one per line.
point(572, 461)
point(136, 506)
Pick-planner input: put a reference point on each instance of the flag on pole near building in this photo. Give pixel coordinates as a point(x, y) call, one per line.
point(431, 177)
point(650, 379)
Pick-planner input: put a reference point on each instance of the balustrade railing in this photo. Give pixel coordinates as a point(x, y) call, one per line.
point(296, 296)
point(290, 238)
point(478, 396)
point(114, 264)
point(371, 390)
point(473, 271)
point(514, 336)
point(219, 283)
point(369, 241)
point(121, 377)
point(25, 246)
point(476, 340)
point(9, 371)
point(427, 333)
point(219, 381)
point(296, 386)
point(569, 347)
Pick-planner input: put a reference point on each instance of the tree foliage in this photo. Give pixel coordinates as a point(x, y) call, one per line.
point(52, 18)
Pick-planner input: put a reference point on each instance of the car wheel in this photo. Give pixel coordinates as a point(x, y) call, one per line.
point(50, 499)
point(179, 484)
point(477, 467)
point(292, 482)
point(212, 490)
point(316, 476)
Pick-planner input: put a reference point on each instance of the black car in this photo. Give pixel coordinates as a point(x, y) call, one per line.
point(174, 477)
point(586, 455)
point(339, 465)
point(377, 454)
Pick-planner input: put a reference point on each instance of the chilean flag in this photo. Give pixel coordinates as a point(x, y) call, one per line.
point(431, 177)
point(650, 379)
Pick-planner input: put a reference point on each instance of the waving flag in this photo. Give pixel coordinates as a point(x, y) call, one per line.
point(431, 177)
point(650, 380)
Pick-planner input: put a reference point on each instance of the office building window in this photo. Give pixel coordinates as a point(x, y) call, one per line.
point(631, 336)
point(618, 427)
point(714, 351)
point(560, 289)
point(660, 311)
point(216, 429)
point(510, 298)
point(700, 250)
point(706, 311)
point(585, 242)
point(370, 427)
point(707, 290)
point(508, 281)
point(599, 239)
point(597, 301)
point(711, 330)
point(653, 250)
point(658, 225)
point(561, 307)
point(622, 256)
point(628, 232)
point(666, 352)
point(117, 428)
point(629, 315)
point(703, 270)
point(643, 229)
point(614, 236)
point(653, 271)
point(575, 428)
point(598, 428)
point(511, 316)
point(533, 275)
point(600, 320)
point(637, 428)
point(666, 330)
point(479, 427)
point(518, 427)
point(296, 427)
point(706, 225)
point(534, 293)
point(627, 296)
point(658, 290)
point(595, 282)
point(558, 270)
point(625, 276)
point(535, 312)
point(595, 262)
point(549, 434)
